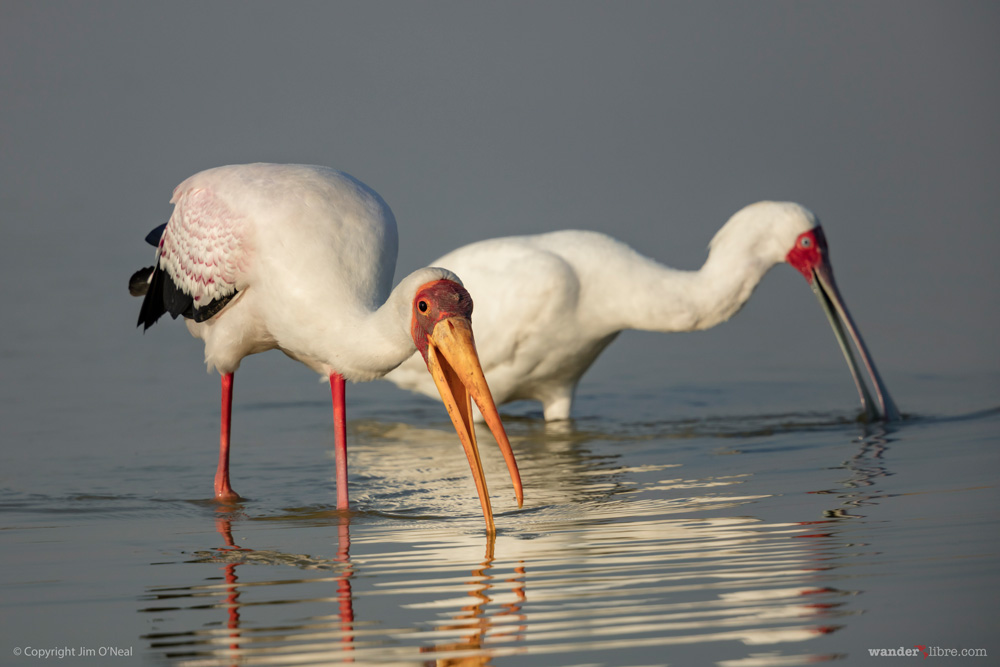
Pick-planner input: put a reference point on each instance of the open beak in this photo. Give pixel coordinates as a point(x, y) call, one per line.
point(454, 365)
point(836, 311)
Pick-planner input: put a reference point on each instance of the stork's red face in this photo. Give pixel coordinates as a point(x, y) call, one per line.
point(433, 303)
point(811, 258)
point(442, 331)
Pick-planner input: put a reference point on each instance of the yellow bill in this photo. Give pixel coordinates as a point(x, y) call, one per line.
point(454, 365)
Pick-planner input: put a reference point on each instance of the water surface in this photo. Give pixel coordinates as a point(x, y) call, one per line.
point(747, 539)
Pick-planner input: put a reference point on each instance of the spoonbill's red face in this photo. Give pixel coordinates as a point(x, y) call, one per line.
point(442, 331)
point(811, 257)
point(809, 252)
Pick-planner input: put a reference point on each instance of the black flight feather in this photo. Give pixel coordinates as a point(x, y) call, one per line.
point(138, 284)
point(153, 238)
point(162, 295)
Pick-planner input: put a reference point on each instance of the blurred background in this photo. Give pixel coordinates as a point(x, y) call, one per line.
point(651, 121)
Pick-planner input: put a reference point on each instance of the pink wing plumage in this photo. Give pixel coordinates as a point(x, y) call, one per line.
point(202, 258)
point(203, 247)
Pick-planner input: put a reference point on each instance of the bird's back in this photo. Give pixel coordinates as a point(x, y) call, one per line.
point(294, 220)
point(536, 328)
point(291, 241)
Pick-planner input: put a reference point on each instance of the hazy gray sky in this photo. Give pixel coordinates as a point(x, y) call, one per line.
point(653, 121)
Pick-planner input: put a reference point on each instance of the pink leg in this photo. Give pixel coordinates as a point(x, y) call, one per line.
point(339, 438)
point(223, 490)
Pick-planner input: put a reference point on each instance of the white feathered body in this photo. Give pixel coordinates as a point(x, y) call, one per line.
point(310, 253)
point(548, 304)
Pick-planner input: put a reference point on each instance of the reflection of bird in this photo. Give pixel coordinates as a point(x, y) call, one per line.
point(300, 259)
point(550, 303)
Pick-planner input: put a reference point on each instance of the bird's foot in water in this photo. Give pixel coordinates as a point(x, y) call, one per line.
point(230, 498)
point(224, 493)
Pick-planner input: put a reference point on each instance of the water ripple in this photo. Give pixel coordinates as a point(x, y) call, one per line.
point(616, 554)
point(645, 582)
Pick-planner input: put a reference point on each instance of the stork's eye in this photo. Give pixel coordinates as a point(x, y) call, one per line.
point(806, 242)
point(422, 305)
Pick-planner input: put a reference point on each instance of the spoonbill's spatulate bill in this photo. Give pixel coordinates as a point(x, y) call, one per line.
point(550, 303)
point(300, 259)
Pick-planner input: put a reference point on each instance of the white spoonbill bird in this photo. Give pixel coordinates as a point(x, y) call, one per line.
point(550, 303)
point(300, 259)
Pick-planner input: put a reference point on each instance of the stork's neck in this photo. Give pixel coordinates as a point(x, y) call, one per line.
point(376, 343)
point(676, 300)
point(368, 343)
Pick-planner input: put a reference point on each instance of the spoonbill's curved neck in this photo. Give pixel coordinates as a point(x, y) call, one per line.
point(677, 300)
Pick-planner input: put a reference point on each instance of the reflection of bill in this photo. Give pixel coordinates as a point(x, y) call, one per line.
point(479, 622)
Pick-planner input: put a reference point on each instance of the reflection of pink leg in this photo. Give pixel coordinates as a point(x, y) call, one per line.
point(224, 528)
point(232, 602)
point(339, 438)
point(344, 595)
point(223, 490)
point(232, 599)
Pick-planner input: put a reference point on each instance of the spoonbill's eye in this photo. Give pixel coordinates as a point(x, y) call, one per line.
point(806, 242)
point(422, 306)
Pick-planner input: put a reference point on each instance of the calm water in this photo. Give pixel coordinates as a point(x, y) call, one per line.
point(685, 525)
